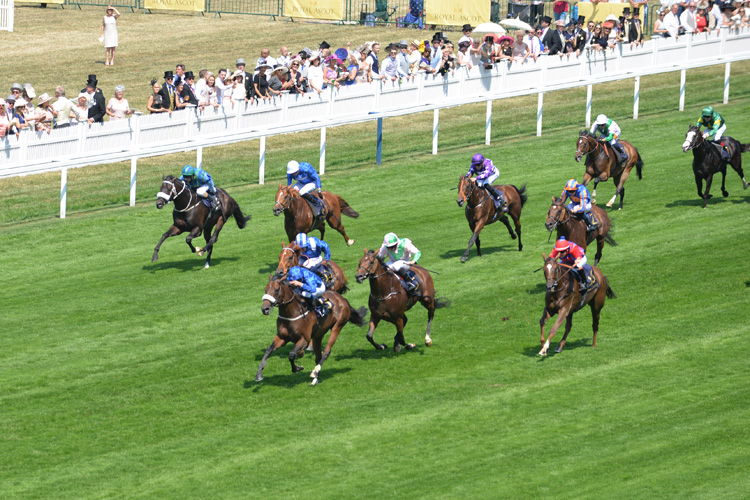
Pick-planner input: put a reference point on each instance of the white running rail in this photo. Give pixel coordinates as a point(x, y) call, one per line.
point(6, 15)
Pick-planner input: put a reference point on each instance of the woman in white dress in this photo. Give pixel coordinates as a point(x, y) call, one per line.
point(79, 113)
point(117, 107)
point(109, 35)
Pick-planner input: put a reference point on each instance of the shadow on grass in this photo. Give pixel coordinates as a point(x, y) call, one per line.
point(291, 380)
point(697, 202)
point(267, 269)
point(538, 288)
point(373, 354)
point(532, 352)
point(186, 265)
point(453, 254)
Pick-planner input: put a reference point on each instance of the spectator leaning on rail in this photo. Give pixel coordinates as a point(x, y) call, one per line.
point(306, 180)
point(118, 107)
point(98, 109)
point(167, 91)
point(62, 107)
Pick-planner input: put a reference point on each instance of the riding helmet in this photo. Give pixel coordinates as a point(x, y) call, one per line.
point(562, 244)
point(477, 159)
point(601, 120)
point(188, 171)
point(708, 111)
point(292, 167)
point(571, 185)
point(390, 240)
point(301, 240)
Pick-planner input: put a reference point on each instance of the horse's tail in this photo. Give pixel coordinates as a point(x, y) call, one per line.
point(239, 217)
point(346, 209)
point(522, 193)
point(610, 293)
point(744, 148)
point(608, 237)
point(639, 165)
point(357, 316)
point(442, 302)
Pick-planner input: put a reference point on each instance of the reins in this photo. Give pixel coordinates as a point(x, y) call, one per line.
point(370, 275)
point(275, 302)
point(176, 195)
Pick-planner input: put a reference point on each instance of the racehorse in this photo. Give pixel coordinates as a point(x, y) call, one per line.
point(480, 210)
point(601, 163)
point(190, 215)
point(298, 324)
point(290, 256)
point(389, 300)
point(299, 217)
point(564, 299)
point(561, 218)
point(707, 160)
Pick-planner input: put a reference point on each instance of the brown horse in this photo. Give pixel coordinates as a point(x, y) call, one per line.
point(298, 324)
point(191, 215)
point(290, 256)
point(299, 218)
point(564, 298)
point(560, 217)
point(601, 163)
point(480, 210)
point(389, 300)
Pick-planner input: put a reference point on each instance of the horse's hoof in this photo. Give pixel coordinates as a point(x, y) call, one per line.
point(298, 368)
point(542, 354)
point(428, 342)
point(559, 349)
point(397, 348)
point(154, 258)
point(381, 347)
point(463, 259)
point(199, 251)
point(258, 378)
point(300, 354)
point(609, 205)
point(513, 236)
point(349, 243)
point(409, 347)
point(314, 381)
point(725, 193)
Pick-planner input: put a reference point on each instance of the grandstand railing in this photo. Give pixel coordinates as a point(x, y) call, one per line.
point(7, 10)
point(192, 130)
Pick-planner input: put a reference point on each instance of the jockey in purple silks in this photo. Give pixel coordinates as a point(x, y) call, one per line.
point(487, 173)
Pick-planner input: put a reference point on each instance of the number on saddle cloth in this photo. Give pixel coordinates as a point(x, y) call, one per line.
point(410, 282)
point(591, 281)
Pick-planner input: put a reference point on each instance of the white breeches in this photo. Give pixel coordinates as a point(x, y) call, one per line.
point(304, 188)
point(720, 132)
point(614, 139)
point(202, 190)
point(312, 262)
point(318, 292)
point(489, 180)
point(397, 265)
point(583, 262)
point(577, 208)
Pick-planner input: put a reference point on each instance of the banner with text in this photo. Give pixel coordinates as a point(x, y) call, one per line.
point(452, 13)
point(191, 5)
point(315, 9)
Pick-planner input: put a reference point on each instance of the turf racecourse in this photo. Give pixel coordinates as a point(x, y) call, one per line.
point(124, 378)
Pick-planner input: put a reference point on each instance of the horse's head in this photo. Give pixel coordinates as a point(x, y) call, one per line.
point(692, 138)
point(367, 266)
point(273, 295)
point(465, 188)
point(283, 199)
point(288, 257)
point(583, 146)
point(552, 273)
point(556, 214)
point(170, 186)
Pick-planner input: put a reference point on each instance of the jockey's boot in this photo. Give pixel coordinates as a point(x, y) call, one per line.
point(498, 197)
point(215, 203)
point(320, 307)
point(590, 225)
point(410, 280)
point(316, 202)
point(621, 150)
point(580, 275)
point(724, 152)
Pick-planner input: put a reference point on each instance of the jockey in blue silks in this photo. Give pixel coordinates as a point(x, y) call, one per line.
point(580, 201)
point(307, 180)
point(310, 286)
point(201, 181)
point(487, 173)
point(314, 252)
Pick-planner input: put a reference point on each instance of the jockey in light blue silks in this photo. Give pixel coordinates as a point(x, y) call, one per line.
point(400, 253)
point(487, 173)
point(201, 181)
point(580, 201)
point(305, 179)
point(310, 286)
point(609, 131)
point(314, 252)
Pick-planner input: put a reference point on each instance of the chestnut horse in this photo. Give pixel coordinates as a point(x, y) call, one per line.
point(564, 299)
point(601, 163)
point(707, 160)
point(389, 300)
point(298, 324)
point(290, 256)
point(561, 218)
point(480, 210)
point(190, 215)
point(299, 218)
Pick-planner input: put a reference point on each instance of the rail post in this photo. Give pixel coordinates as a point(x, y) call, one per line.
point(488, 124)
point(682, 90)
point(63, 191)
point(262, 167)
point(539, 107)
point(322, 150)
point(589, 90)
point(726, 83)
point(636, 97)
point(435, 123)
point(379, 156)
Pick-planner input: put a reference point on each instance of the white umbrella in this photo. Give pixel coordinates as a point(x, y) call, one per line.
point(516, 23)
point(489, 28)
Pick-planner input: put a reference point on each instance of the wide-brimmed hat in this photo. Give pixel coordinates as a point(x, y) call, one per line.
point(30, 92)
point(466, 27)
point(315, 54)
point(236, 74)
point(330, 58)
point(392, 46)
point(20, 102)
point(168, 75)
point(239, 61)
point(10, 97)
point(282, 68)
point(264, 65)
point(505, 38)
point(701, 5)
point(416, 43)
point(44, 98)
point(559, 22)
point(189, 75)
point(84, 95)
point(342, 53)
point(611, 17)
point(2, 101)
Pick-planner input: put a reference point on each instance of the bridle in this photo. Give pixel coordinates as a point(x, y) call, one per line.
point(701, 141)
point(467, 196)
point(588, 138)
point(556, 279)
point(174, 195)
point(369, 274)
point(276, 302)
point(557, 218)
point(287, 201)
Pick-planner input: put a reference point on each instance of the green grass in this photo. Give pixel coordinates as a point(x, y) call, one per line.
point(123, 378)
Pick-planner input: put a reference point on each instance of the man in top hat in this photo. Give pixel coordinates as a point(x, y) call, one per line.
point(634, 28)
point(581, 36)
point(325, 50)
point(10, 106)
point(466, 29)
point(16, 89)
point(554, 41)
point(436, 48)
point(167, 91)
point(97, 107)
point(547, 33)
point(188, 90)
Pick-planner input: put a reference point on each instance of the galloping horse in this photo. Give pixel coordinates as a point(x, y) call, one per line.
point(299, 218)
point(190, 215)
point(560, 217)
point(564, 298)
point(707, 160)
point(601, 163)
point(480, 210)
point(290, 256)
point(389, 300)
point(299, 324)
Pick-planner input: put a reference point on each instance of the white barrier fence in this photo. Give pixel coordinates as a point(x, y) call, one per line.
point(7, 11)
point(159, 134)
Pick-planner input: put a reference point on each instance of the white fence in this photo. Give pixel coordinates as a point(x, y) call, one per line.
point(7, 10)
point(159, 134)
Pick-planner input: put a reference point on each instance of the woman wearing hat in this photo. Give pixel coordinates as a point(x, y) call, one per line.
point(80, 110)
point(364, 75)
point(109, 35)
point(208, 96)
point(276, 82)
point(118, 107)
point(260, 82)
point(331, 73)
point(5, 123)
point(19, 120)
point(44, 115)
point(315, 73)
point(180, 102)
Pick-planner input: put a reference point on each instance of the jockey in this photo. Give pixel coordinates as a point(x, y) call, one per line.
point(573, 255)
point(310, 286)
point(307, 180)
point(200, 180)
point(580, 201)
point(400, 254)
point(315, 249)
point(609, 131)
point(487, 173)
point(715, 126)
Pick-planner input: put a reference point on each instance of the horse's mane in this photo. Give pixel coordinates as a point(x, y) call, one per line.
point(171, 178)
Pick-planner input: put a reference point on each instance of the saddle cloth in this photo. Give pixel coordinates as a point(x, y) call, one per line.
point(591, 282)
point(417, 290)
point(618, 157)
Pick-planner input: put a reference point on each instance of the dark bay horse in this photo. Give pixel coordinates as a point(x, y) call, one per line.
point(299, 324)
point(601, 163)
point(389, 300)
point(564, 298)
point(574, 229)
point(290, 256)
point(298, 216)
point(480, 210)
point(707, 160)
point(190, 215)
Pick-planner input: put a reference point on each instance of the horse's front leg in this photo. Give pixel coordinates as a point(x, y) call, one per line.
point(399, 340)
point(561, 316)
point(275, 344)
point(194, 233)
point(339, 226)
point(172, 231)
point(209, 248)
point(429, 304)
point(474, 237)
point(620, 189)
point(699, 185)
point(374, 320)
point(724, 191)
point(301, 344)
point(706, 195)
point(568, 326)
point(321, 357)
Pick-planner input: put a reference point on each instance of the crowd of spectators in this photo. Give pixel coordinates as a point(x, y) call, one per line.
point(676, 18)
